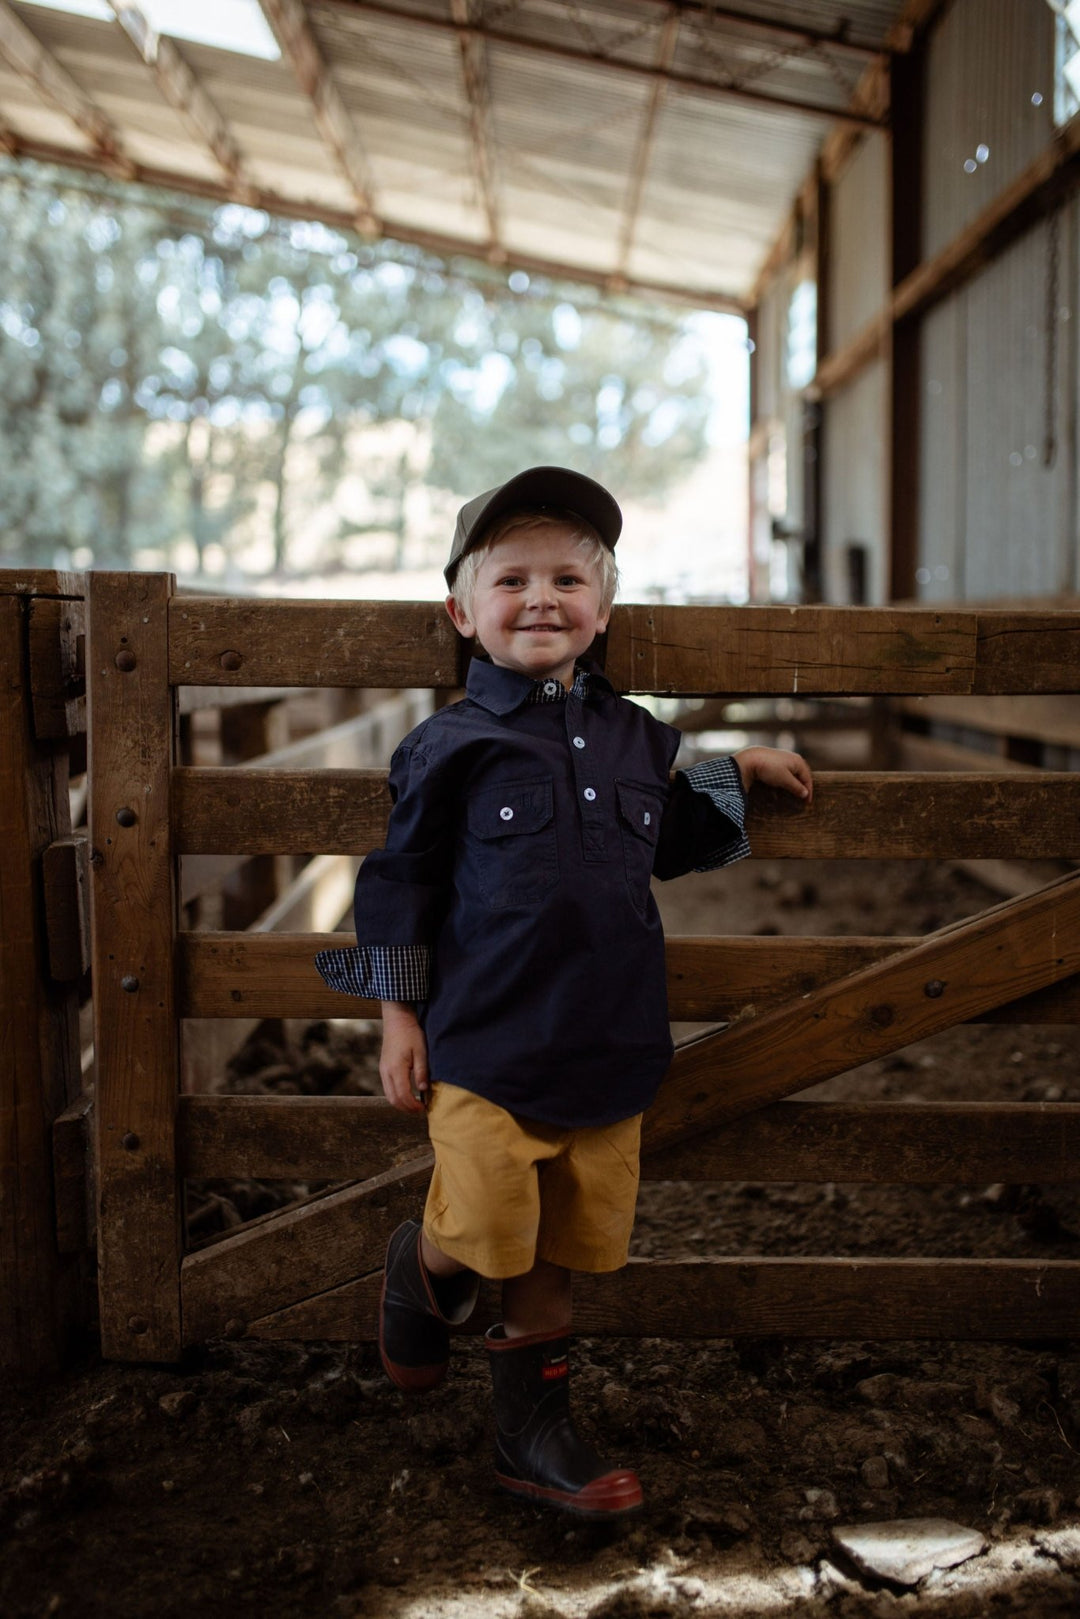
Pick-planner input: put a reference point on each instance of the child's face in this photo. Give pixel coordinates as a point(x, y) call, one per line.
point(536, 605)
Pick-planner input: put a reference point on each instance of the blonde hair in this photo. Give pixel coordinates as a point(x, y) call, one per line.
point(582, 534)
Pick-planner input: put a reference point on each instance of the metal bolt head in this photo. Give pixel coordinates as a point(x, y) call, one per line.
point(138, 1325)
point(882, 1016)
point(126, 816)
point(130, 1141)
point(934, 989)
point(230, 660)
point(129, 983)
point(125, 661)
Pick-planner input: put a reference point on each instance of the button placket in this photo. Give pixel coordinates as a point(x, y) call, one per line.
point(594, 834)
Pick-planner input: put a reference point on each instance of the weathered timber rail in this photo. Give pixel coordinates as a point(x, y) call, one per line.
point(827, 1004)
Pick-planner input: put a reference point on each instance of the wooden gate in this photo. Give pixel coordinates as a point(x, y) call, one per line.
point(799, 1010)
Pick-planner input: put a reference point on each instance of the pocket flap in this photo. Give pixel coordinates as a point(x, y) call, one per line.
point(510, 808)
point(641, 809)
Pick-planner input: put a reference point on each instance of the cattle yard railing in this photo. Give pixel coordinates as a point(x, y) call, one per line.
point(798, 1010)
point(42, 722)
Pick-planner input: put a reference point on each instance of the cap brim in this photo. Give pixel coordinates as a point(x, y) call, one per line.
point(538, 486)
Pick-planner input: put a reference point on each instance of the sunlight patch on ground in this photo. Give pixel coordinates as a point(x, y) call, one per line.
point(1015, 1570)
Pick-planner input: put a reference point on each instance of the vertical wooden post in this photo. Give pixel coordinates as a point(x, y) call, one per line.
point(132, 738)
point(907, 153)
point(813, 415)
point(39, 1044)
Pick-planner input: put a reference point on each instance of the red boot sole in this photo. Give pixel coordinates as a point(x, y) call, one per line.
point(608, 1497)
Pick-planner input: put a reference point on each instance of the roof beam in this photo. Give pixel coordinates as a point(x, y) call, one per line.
point(474, 73)
point(614, 64)
point(182, 90)
point(292, 29)
point(446, 247)
point(29, 58)
point(665, 55)
point(836, 38)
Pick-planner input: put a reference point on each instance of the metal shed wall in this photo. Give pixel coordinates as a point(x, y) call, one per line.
point(859, 244)
point(856, 444)
point(986, 60)
point(996, 521)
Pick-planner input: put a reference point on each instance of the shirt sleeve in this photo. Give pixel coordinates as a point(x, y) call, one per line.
point(386, 972)
point(704, 824)
point(401, 890)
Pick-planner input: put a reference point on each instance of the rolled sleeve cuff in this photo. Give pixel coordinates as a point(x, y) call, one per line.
point(720, 781)
point(388, 972)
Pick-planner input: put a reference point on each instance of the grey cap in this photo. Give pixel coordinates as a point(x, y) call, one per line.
point(539, 486)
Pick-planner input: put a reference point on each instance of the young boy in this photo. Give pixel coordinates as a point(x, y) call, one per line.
point(509, 930)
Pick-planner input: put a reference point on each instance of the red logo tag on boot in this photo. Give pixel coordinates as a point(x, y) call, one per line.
point(551, 1370)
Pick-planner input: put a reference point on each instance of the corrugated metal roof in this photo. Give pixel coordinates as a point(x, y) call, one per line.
point(638, 141)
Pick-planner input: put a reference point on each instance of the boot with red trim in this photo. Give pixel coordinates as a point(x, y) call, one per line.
point(538, 1452)
point(416, 1312)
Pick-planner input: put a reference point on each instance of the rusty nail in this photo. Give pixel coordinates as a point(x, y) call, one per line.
point(129, 983)
point(934, 988)
point(138, 1324)
point(230, 660)
point(130, 1141)
point(125, 661)
point(126, 816)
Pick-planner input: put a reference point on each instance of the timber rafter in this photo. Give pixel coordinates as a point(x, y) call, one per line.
point(183, 91)
point(291, 27)
point(724, 84)
point(665, 55)
point(38, 67)
point(477, 91)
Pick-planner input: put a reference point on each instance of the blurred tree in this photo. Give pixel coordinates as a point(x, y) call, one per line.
point(165, 368)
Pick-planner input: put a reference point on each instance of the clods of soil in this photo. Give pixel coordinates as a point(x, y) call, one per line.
point(293, 1480)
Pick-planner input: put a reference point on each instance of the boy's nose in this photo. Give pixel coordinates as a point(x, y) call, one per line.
point(541, 593)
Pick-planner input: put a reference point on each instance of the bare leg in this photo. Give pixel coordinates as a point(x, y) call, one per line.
point(539, 1301)
point(436, 1263)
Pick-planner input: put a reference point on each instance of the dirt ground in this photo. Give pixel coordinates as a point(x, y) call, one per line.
point(292, 1480)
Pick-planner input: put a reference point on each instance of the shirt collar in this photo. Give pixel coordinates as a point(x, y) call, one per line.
point(501, 691)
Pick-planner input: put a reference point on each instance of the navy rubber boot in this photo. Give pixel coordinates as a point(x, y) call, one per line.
point(538, 1452)
point(416, 1312)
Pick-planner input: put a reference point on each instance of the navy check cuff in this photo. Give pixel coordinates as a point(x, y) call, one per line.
point(720, 780)
point(381, 972)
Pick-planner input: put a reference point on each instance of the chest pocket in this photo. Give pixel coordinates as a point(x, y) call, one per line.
point(640, 809)
point(511, 829)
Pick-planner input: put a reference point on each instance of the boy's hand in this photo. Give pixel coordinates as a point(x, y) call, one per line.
point(776, 767)
point(403, 1062)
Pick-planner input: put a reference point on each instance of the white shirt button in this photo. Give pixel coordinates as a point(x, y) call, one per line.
point(506, 813)
point(648, 818)
point(590, 793)
point(550, 688)
point(579, 742)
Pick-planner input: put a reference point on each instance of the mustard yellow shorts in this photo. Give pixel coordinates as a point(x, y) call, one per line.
point(507, 1191)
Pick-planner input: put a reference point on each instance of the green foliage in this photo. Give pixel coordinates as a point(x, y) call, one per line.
point(166, 369)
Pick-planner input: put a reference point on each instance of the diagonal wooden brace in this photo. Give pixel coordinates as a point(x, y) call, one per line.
point(963, 970)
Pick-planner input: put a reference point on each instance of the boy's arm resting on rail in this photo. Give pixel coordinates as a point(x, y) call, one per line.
point(776, 767)
point(704, 823)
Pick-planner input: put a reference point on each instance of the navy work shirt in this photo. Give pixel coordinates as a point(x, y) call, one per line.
point(512, 898)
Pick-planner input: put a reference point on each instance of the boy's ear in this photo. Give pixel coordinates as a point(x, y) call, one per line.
point(460, 618)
